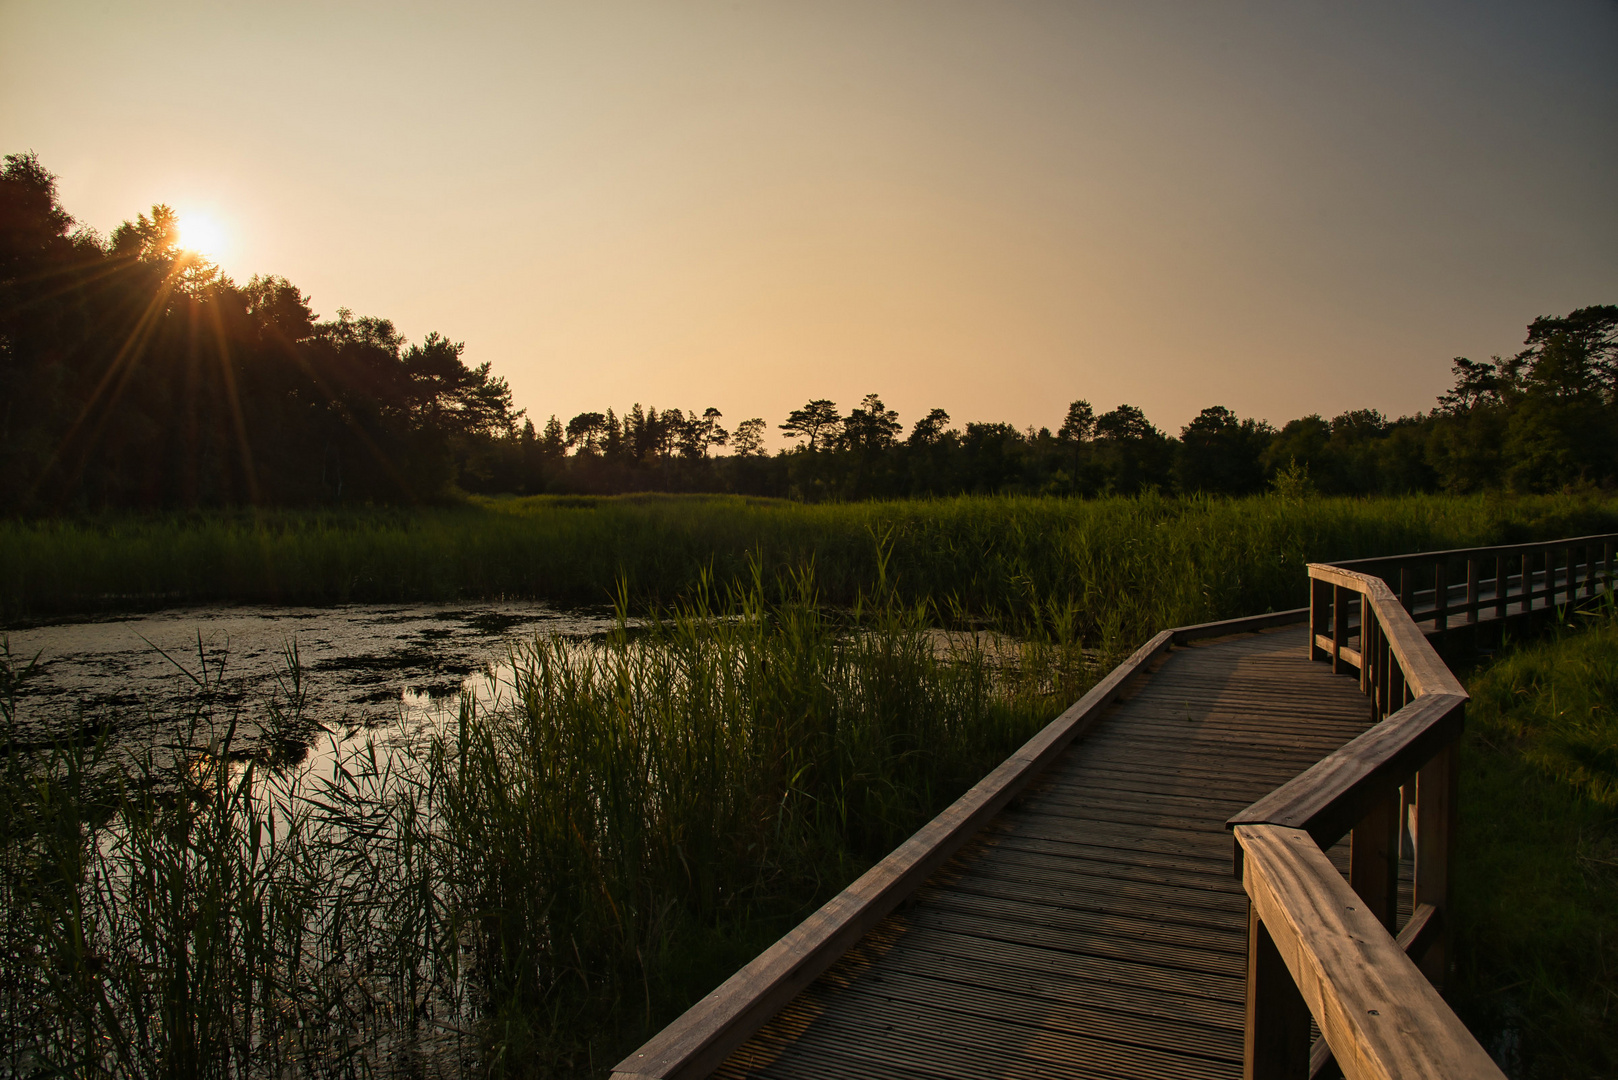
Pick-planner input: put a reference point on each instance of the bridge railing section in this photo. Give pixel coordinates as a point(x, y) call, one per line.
point(1317, 946)
point(1446, 590)
point(1320, 947)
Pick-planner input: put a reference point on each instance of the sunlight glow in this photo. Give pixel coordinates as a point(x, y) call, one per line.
point(201, 235)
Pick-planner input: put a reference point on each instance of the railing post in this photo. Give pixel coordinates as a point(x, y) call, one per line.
point(1367, 649)
point(1440, 596)
point(1436, 807)
point(1571, 589)
point(1589, 570)
point(1276, 1046)
point(1407, 587)
point(1319, 603)
point(1525, 595)
point(1385, 660)
point(1606, 563)
point(1502, 585)
point(1339, 626)
point(1373, 861)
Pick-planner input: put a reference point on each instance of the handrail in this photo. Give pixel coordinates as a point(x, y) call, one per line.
point(1379, 1015)
point(1322, 948)
point(1493, 549)
point(1556, 572)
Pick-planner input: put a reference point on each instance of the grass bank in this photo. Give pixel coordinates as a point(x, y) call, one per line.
point(1122, 567)
point(1536, 888)
point(530, 892)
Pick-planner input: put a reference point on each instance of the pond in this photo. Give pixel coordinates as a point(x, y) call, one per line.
point(381, 670)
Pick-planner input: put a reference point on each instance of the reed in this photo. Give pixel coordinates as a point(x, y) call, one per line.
point(518, 896)
point(1128, 565)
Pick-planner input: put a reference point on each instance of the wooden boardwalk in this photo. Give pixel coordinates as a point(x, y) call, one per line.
point(1076, 913)
point(1094, 928)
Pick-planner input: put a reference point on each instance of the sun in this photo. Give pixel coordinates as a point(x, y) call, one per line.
point(201, 235)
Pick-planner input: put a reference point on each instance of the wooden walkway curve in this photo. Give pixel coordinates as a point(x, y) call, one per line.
point(1094, 929)
point(1075, 914)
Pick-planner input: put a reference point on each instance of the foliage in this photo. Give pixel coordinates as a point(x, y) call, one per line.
point(137, 374)
point(1127, 566)
point(1536, 886)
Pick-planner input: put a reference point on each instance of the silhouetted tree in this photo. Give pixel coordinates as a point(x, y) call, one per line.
point(818, 423)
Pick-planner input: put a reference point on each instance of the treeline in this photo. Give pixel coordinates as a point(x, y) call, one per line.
point(137, 375)
point(1542, 420)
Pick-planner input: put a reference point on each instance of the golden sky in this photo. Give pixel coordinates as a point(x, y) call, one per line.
point(990, 207)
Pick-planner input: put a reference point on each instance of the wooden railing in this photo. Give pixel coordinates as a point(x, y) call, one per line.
point(1444, 590)
point(1317, 946)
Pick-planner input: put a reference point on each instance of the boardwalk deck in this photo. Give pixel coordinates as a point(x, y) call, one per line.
point(1094, 928)
point(1075, 913)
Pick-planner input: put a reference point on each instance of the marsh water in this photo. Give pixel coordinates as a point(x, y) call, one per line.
point(381, 671)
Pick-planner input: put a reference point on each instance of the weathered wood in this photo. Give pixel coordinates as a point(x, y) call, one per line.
point(1275, 1030)
point(1417, 935)
point(1328, 798)
point(1373, 869)
point(700, 1039)
point(1436, 808)
point(1377, 1012)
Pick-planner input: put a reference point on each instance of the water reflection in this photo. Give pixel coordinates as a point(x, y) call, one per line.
point(381, 672)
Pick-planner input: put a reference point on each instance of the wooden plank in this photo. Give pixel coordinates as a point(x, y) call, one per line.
point(701, 1038)
point(1328, 798)
point(1128, 971)
point(1379, 1014)
point(1074, 988)
point(1071, 1013)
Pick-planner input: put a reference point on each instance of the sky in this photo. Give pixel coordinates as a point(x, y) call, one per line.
point(994, 208)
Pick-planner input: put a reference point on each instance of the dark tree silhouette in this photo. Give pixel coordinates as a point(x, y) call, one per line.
point(818, 423)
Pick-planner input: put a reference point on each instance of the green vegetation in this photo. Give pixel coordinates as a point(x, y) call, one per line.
point(527, 894)
point(1121, 567)
point(1536, 900)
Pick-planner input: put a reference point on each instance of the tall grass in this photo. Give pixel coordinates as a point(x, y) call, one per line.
point(523, 894)
point(1128, 566)
point(1536, 885)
